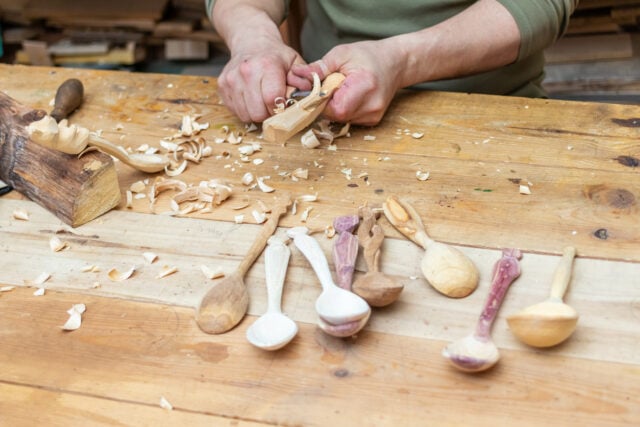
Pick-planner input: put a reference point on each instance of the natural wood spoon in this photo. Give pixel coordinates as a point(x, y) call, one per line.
point(476, 352)
point(550, 322)
point(447, 269)
point(377, 288)
point(226, 303)
point(334, 305)
point(273, 330)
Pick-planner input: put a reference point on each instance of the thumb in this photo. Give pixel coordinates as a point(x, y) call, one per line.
point(319, 67)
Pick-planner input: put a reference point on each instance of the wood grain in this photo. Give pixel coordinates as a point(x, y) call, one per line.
point(133, 353)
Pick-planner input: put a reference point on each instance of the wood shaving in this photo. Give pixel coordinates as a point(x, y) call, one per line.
point(259, 217)
point(21, 215)
point(129, 198)
point(417, 135)
point(307, 197)
point(177, 170)
point(212, 273)
point(264, 187)
point(75, 317)
point(150, 257)
point(524, 189)
point(258, 162)
point(247, 178)
point(137, 187)
point(90, 269)
point(422, 176)
point(39, 292)
point(7, 288)
point(166, 271)
point(309, 139)
point(369, 137)
point(164, 404)
point(117, 276)
point(305, 214)
point(300, 173)
point(57, 245)
point(42, 277)
point(263, 207)
point(238, 219)
point(329, 231)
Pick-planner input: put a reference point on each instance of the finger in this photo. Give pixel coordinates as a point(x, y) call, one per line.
point(347, 100)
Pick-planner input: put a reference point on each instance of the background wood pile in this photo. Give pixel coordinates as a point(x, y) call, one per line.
point(114, 32)
point(599, 57)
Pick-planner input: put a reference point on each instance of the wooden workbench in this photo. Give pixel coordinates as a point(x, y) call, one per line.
point(139, 341)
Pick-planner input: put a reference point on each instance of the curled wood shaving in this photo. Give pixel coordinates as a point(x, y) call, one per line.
point(117, 276)
point(259, 217)
point(175, 171)
point(21, 215)
point(309, 139)
point(75, 317)
point(329, 231)
point(57, 245)
point(264, 187)
point(247, 178)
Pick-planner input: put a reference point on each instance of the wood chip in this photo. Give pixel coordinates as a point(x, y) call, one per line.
point(39, 292)
point(150, 257)
point(21, 215)
point(117, 276)
point(417, 135)
point(264, 187)
point(164, 404)
point(166, 271)
point(212, 273)
point(75, 317)
point(422, 176)
point(369, 137)
point(259, 217)
point(57, 245)
point(42, 277)
point(137, 187)
point(7, 288)
point(524, 189)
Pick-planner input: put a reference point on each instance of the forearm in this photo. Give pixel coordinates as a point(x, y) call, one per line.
point(248, 22)
point(483, 37)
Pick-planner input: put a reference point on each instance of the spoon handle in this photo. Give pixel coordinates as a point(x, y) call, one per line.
point(276, 260)
point(562, 275)
point(313, 252)
point(345, 249)
point(406, 220)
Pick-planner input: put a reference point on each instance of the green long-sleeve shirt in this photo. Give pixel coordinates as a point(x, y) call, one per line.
point(541, 22)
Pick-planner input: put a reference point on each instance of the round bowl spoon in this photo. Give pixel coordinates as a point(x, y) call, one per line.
point(345, 329)
point(335, 305)
point(476, 352)
point(273, 330)
point(550, 322)
point(447, 269)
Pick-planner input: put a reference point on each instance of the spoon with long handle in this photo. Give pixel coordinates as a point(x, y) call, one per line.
point(550, 322)
point(226, 303)
point(335, 305)
point(273, 330)
point(345, 249)
point(144, 162)
point(447, 269)
point(476, 352)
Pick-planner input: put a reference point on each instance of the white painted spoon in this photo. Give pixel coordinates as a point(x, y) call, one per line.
point(335, 305)
point(273, 330)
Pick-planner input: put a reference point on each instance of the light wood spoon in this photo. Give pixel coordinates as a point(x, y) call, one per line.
point(226, 303)
point(476, 352)
point(335, 305)
point(550, 322)
point(273, 330)
point(447, 269)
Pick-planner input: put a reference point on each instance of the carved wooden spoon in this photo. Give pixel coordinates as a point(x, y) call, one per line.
point(226, 303)
point(377, 288)
point(476, 352)
point(345, 249)
point(273, 330)
point(334, 305)
point(447, 269)
point(550, 322)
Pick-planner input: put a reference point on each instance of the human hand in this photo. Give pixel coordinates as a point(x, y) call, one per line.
point(373, 75)
point(255, 76)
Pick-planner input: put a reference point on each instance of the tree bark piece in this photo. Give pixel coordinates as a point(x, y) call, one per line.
point(74, 189)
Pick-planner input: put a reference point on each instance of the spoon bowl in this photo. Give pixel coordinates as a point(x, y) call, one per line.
point(550, 322)
point(335, 305)
point(472, 354)
point(345, 329)
point(272, 331)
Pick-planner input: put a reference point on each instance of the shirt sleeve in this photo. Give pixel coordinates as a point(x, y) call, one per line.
point(208, 4)
point(540, 22)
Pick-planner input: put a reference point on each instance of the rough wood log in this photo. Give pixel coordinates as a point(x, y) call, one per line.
point(76, 190)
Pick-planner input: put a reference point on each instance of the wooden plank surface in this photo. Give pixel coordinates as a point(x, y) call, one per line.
point(134, 353)
point(139, 340)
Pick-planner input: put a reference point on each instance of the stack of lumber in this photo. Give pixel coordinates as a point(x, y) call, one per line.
point(117, 32)
point(599, 56)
